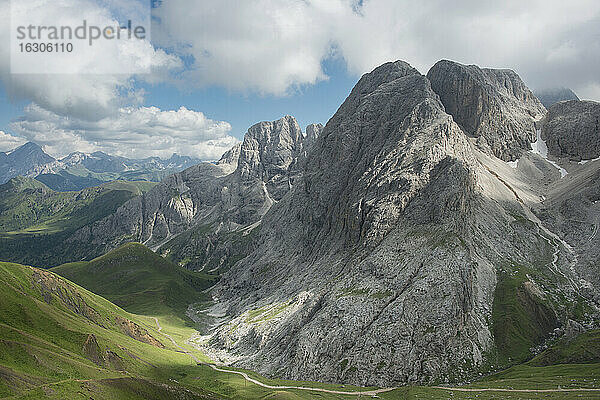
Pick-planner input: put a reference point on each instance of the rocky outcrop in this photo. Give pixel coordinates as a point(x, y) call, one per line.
point(572, 129)
point(208, 201)
point(52, 287)
point(549, 97)
point(91, 350)
point(379, 267)
point(492, 105)
point(270, 154)
point(312, 134)
point(136, 332)
point(229, 161)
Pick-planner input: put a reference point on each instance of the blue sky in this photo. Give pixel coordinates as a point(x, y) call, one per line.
point(213, 68)
point(308, 104)
point(9, 109)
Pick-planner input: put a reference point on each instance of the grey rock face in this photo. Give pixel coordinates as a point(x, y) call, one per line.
point(210, 199)
point(229, 160)
point(270, 153)
point(572, 210)
point(572, 129)
point(312, 134)
point(492, 105)
point(549, 97)
point(379, 266)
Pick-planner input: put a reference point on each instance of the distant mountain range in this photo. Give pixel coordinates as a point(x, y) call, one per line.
point(549, 97)
point(78, 170)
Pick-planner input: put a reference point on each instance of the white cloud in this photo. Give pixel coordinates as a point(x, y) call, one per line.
point(132, 132)
point(267, 46)
point(77, 91)
point(274, 46)
point(9, 142)
point(270, 46)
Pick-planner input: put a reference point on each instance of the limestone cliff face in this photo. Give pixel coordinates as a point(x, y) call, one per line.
point(271, 153)
point(223, 197)
point(492, 105)
point(383, 248)
point(379, 267)
point(572, 129)
point(229, 160)
point(312, 134)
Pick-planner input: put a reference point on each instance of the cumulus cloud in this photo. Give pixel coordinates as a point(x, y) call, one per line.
point(9, 142)
point(272, 46)
point(267, 46)
point(82, 89)
point(275, 46)
point(131, 132)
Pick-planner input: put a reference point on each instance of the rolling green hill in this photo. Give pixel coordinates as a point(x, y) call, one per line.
point(58, 340)
point(35, 220)
point(139, 280)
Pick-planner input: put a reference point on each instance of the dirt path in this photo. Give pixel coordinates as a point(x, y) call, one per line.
point(384, 390)
point(196, 360)
point(514, 390)
point(373, 392)
point(256, 382)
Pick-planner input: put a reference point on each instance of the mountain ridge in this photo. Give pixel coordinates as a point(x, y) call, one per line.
point(79, 170)
point(212, 204)
point(399, 213)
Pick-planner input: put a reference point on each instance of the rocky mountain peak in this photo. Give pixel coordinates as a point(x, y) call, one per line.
point(272, 153)
point(313, 131)
point(572, 130)
point(494, 106)
point(387, 72)
point(229, 160)
point(396, 131)
point(25, 160)
point(33, 152)
point(269, 148)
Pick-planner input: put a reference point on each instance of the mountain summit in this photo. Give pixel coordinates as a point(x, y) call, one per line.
point(492, 105)
point(23, 161)
point(393, 256)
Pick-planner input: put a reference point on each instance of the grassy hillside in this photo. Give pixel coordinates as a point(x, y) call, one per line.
point(65, 182)
point(139, 280)
point(583, 349)
point(35, 220)
point(58, 340)
point(521, 320)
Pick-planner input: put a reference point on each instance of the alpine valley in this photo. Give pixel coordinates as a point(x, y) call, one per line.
point(437, 238)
